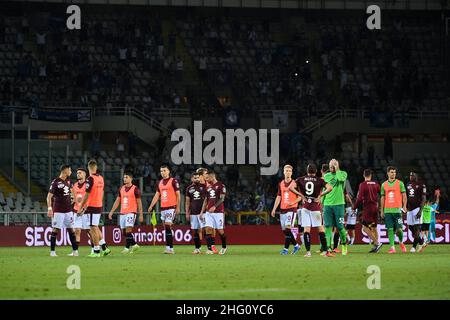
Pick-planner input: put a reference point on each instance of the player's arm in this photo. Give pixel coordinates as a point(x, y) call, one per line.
point(275, 205)
point(114, 208)
point(154, 201)
point(202, 212)
point(405, 201)
point(297, 200)
point(140, 209)
point(358, 198)
point(301, 196)
point(72, 196)
point(81, 209)
point(328, 189)
point(294, 190)
point(218, 203)
point(187, 207)
point(349, 199)
point(438, 195)
point(404, 196)
point(49, 205)
point(424, 199)
point(340, 175)
point(178, 195)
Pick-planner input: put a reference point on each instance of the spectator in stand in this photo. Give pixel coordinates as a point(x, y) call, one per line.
point(388, 148)
point(180, 69)
point(41, 42)
point(120, 146)
point(96, 144)
point(146, 173)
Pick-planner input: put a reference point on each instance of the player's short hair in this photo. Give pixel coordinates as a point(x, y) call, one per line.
point(367, 173)
point(211, 173)
point(311, 168)
point(288, 166)
point(325, 167)
point(195, 173)
point(82, 169)
point(92, 163)
point(165, 166)
point(412, 173)
point(201, 171)
point(391, 168)
point(128, 173)
point(63, 167)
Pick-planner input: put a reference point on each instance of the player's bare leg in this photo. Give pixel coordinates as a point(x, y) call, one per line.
point(130, 244)
point(415, 230)
point(88, 232)
point(400, 240)
point(307, 241)
point(351, 236)
point(223, 238)
point(169, 238)
point(372, 232)
point(291, 239)
point(53, 236)
point(74, 242)
point(323, 240)
point(197, 241)
point(77, 232)
point(210, 241)
point(77, 235)
point(102, 243)
point(94, 238)
point(336, 238)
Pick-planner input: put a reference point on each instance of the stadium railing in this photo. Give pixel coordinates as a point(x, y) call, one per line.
point(365, 114)
point(120, 111)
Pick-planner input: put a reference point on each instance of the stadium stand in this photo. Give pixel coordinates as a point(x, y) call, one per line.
point(313, 63)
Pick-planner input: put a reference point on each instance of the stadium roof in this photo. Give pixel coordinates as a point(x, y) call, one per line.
point(282, 4)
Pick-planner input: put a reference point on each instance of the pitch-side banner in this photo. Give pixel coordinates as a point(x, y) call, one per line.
point(248, 234)
point(61, 115)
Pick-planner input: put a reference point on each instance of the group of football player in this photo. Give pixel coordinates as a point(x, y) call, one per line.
point(322, 202)
point(79, 206)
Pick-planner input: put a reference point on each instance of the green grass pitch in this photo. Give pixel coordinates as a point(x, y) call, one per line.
point(245, 272)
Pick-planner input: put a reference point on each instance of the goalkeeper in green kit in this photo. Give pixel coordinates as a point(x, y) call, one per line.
point(334, 206)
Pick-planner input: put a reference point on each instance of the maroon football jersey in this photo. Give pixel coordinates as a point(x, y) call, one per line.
point(213, 193)
point(311, 187)
point(196, 192)
point(415, 192)
point(368, 192)
point(61, 195)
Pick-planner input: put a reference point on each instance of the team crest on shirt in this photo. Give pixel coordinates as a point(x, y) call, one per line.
point(191, 190)
point(66, 190)
point(164, 194)
point(391, 196)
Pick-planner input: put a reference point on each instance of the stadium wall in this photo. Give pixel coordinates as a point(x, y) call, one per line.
point(39, 236)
